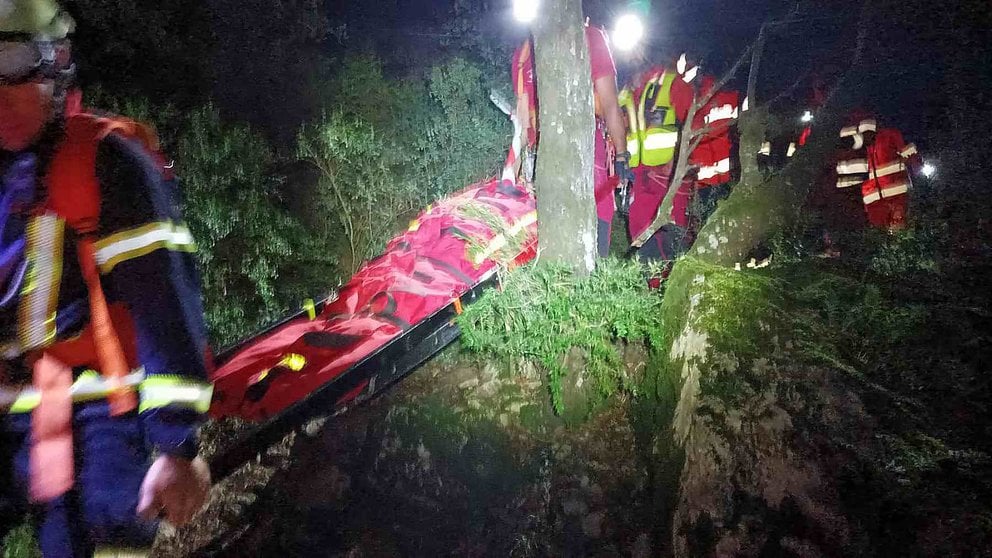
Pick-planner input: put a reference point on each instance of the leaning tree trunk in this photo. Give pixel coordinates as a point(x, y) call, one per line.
point(566, 205)
point(716, 316)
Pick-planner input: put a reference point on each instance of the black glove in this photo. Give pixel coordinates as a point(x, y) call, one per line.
point(621, 166)
point(624, 191)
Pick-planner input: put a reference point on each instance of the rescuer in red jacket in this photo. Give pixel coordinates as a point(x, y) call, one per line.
point(608, 121)
point(713, 156)
point(890, 164)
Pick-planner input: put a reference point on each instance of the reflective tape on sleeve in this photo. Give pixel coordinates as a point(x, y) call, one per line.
point(871, 198)
point(725, 112)
point(895, 190)
point(89, 386)
point(852, 166)
point(173, 391)
point(713, 170)
point(848, 181)
point(139, 241)
point(908, 151)
point(890, 168)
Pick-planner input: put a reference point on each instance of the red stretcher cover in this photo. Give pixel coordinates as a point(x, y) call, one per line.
point(452, 246)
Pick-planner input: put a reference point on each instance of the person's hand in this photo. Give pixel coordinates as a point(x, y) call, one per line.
point(174, 489)
point(621, 165)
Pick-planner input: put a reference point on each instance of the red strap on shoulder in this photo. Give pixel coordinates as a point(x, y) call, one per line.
point(73, 189)
point(72, 186)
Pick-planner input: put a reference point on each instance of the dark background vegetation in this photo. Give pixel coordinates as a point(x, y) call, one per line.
point(230, 83)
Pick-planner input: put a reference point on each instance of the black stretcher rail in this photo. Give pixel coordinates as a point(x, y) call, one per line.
point(381, 369)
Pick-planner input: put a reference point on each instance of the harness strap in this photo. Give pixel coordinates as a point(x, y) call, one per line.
point(109, 352)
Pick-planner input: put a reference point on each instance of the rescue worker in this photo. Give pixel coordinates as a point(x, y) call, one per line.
point(609, 122)
point(104, 356)
point(656, 107)
point(838, 211)
point(885, 193)
point(713, 157)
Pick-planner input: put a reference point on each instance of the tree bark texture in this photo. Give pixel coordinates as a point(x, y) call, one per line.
point(566, 206)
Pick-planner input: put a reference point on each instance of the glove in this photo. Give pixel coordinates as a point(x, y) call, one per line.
point(624, 194)
point(623, 197)
point(621, 167)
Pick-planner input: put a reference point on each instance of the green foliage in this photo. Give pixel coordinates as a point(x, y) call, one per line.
point(544, 311)
point(847, 322)
point(20, 543)
point(246, 240)
point(465, 136)
point(393, 145)
point(355, 191)
point(256, 260)
point(906, 252)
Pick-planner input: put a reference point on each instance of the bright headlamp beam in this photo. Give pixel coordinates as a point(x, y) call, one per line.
point(627, 32)
point(806, 117)
point(928, 170)
point(525, 11)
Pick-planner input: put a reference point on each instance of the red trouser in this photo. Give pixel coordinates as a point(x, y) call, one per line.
point(603, 186)
point(650, 187)
point(888, 213)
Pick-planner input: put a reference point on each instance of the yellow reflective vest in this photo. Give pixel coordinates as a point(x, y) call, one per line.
point(653, 134)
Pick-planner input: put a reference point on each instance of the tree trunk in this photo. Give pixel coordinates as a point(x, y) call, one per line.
point(566, 206)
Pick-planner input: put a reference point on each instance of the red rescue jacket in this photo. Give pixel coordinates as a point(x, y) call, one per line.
point(890, 159)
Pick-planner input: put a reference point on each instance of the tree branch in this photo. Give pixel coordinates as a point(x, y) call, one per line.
point(752, 78)
point(790, 89)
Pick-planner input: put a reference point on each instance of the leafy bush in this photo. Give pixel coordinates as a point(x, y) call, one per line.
point(247, 241)
point(901, 253)
point(848, 323)
point(393, 145)
point(256, 259)
point(355, 190)
point(543, 311)
point(20, 543)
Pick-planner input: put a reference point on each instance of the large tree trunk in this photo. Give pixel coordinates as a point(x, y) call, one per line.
point(566, 206)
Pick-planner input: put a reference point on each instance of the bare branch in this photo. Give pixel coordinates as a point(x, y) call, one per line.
point(790, 89)
point(727, 76)
point(695, 143)
point(702, 131)
point(752, 78)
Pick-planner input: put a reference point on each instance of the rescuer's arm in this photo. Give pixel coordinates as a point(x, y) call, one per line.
point(527, 136)
point(145, 257)
point(606, 90)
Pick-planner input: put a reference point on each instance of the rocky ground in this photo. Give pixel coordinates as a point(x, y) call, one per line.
point(824, 408)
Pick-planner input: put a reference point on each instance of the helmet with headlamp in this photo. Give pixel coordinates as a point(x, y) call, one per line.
point(33, 42)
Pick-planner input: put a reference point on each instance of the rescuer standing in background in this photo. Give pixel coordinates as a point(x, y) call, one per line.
point(656, 106)
point(608, 120)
